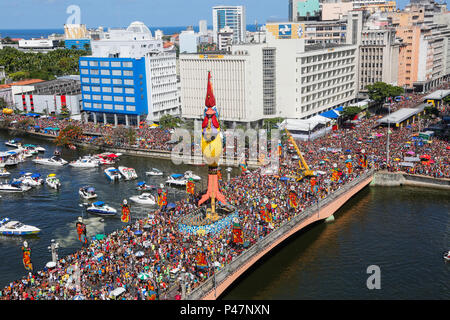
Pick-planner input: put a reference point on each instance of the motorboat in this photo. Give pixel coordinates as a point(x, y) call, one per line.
point(53, 161)
point(145, 198)
point(16, 228)
point(14, 143)
point(190, 175)
point(30, 149)
point(101, 208)
point(14, 186)
point(113, 174)
point(30, 179)
point(176, 180)
point(107, 158)
point(128, 173)
point(53, 182)
point(4, 173)
point(143, 186)
point(87, 193)
point(447, 256)
point(84, 163)
point(154, 172)
point(9, 158)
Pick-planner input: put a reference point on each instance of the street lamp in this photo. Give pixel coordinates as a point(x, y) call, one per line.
point(388, 134)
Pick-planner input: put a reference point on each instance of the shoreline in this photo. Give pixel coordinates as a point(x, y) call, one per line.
point(137, 152)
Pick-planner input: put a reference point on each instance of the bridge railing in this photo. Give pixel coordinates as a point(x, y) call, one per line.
point(262, 244)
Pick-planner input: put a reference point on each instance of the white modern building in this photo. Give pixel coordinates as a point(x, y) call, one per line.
point(129, 78)
point(233, 17)
point(225, 39)
point(203, 27)
point(38, 44)
point(283, 77)
point(189, 41)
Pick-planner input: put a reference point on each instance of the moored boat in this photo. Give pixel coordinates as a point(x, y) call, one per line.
point(100, 208)
point(128, 173)
point(53, 182)
point(176, 180)
point(87, 193)
point(113, 174)
point(16, 228)
point(145, 198)
point(154, 172)
point(53, 161)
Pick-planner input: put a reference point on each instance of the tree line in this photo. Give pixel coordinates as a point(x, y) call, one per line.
point(21, 65)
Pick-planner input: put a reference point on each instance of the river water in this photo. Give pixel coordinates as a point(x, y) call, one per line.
point(404, 231)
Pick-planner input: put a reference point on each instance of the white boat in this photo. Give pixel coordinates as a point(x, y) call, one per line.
point(53, 161)
point(4, 173)
point(14, 186)
point(128, 173)
point(30, 179)
point(53, 182)
point(16, 228)
point(154, 172)
point(113, 174)
point(176, 180)
point(145, 198)
point(9, 158)
point(87, 193)
point(14, 143)
point(447, 256)
point(106, 158)
point(190, 175)
point(84, 163)
point(31, 149)
point(101, 208)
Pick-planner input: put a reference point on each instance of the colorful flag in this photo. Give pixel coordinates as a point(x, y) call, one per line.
point(293, 198)
point(26, 257)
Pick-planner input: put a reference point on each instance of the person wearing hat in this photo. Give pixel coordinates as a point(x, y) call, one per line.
point(81, 231)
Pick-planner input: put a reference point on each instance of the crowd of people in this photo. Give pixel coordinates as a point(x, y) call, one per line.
point(151, 259)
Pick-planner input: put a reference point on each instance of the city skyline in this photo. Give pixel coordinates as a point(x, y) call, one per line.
point(49, 14)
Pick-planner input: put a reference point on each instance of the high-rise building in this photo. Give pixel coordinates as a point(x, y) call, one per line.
point(129, 78)
point(283, 77)
point(233, 17)
point(189, 41)
point(203, 27)
point(304, 10)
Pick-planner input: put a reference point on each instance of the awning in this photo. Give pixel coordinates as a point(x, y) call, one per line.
point(330, 114)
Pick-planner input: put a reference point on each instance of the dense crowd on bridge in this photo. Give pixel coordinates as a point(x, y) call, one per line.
point(168, 255)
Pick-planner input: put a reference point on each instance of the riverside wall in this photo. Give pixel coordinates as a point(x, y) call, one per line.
point(398, 179)
point(211, 290)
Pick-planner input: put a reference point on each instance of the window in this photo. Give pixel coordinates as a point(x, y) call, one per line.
point(84, 71)
point(128, 64)
point(97, 105)
point(130, 99)
point(131, 108)
point(129, 90)
point(118, 99)
point(95, 89)
point(106, 89)
point(85, 80)
point(117, 81)
point(96, 97)
point(86, 88)
point(105, 72)
point(107, 106)
point(129, 82)
point(83, 63)
point(117, 72)
point(128, 73)
point(104, 63)
point(93, 63)
point(95, 80)
point(107, 98)
point(87, 96)
point(118, 90)
point(87, 105)
point(119, 107)
point(106, 81)
point(115, 64)
point(94, 72)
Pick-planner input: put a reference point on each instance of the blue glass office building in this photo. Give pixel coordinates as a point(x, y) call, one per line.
point(114, 87)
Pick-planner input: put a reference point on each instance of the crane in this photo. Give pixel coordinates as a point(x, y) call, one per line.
point(304, 170)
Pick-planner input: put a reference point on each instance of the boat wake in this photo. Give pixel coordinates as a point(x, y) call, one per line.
point(94, 225)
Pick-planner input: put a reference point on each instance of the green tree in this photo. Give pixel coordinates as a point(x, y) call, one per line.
point(168, 121)
point(379, 91)
point(19, 75)
point(351, 111)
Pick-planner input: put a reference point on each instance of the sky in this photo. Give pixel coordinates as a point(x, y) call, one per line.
point(52, 14)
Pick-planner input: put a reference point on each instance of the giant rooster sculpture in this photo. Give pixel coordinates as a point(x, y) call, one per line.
point(212, 150)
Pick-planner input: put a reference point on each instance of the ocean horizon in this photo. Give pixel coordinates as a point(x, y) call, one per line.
point(44, 33)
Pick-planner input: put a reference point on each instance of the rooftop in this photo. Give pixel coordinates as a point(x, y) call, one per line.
point(21, 83)
point(402, 114)
point(437, 95)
